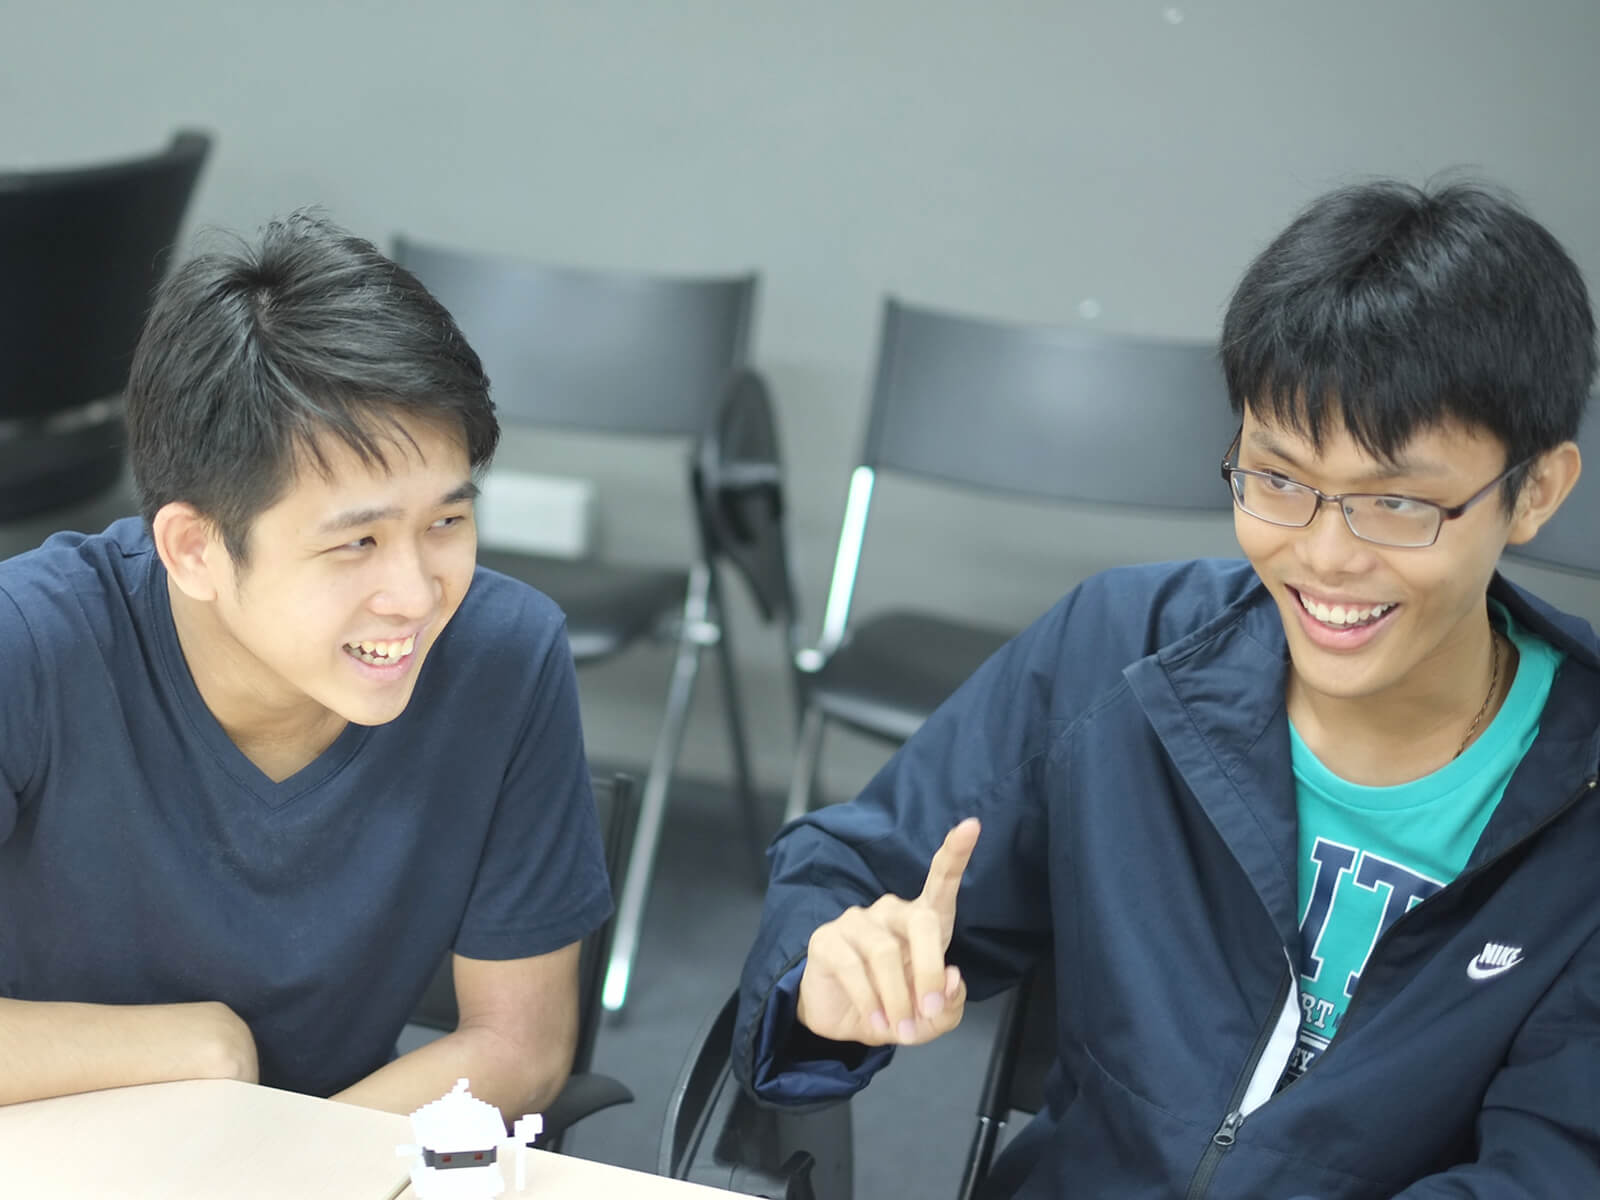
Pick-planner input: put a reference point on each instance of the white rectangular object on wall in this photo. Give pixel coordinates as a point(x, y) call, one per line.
point(540, 514)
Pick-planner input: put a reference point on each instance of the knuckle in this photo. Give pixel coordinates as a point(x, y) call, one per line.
point(838, 926)
point(834, 954)
point(884, 954)
point(886, 908)
point(860, 923)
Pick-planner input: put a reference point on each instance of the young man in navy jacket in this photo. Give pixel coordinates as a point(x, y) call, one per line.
point(1310, 841)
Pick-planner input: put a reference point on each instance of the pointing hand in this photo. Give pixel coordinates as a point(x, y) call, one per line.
point(877, 975)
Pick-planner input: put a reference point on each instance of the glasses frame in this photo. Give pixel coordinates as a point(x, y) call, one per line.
point(1447, 512)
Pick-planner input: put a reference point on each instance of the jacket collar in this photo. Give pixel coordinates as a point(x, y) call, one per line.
point(1215, 698)
point(1561, 765)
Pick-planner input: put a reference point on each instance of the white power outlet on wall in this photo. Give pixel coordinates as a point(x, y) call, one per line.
point(541, 514)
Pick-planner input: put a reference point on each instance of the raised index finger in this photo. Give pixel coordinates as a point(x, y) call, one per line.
point(949, 864)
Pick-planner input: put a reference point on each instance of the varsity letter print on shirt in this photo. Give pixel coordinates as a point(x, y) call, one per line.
point(1355, 896)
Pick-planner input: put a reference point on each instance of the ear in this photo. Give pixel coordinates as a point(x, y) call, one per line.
point(191, 549)
point(1550, 479)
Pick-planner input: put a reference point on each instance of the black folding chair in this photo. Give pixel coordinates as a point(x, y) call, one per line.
point(81, 252)
point(1024, 1051)
point(585, 1092)
point(612, 353)
point(715, 1134)
point(1054, 414)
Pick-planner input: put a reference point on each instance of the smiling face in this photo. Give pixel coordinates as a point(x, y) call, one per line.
point(1370, 622)
point(351, 577)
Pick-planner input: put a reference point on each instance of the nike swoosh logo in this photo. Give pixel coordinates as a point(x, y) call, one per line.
point(1476, 970)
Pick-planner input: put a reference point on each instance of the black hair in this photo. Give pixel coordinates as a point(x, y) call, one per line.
point(250, 353)
point(1395, 309)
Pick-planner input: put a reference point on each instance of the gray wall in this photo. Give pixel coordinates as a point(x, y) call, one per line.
point(1015, 157)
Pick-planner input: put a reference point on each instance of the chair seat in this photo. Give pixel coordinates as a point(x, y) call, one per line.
point(895, 668)
point(608, 606)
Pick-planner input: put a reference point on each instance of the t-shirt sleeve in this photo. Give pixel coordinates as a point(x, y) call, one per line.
point(20, 738)
point(541, 883)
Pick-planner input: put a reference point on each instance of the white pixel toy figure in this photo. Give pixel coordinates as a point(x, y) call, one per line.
point(458, 1143)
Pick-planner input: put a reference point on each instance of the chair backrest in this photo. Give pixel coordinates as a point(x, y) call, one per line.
point(1054, 413)
point(1569, 541)
point(617, 809)
point(715, 1134)
point(590, 350)
point(1035, 411)
point(704, 1072)
point(1021, 1057)
point(1030, 1046)
point(81, 252)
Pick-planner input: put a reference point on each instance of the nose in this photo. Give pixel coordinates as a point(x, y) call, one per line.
point(408, 588)
point(1327, 547)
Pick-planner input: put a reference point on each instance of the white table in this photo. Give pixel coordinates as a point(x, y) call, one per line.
point(206, 1139)
point(562, 1177)
point(201, 1138)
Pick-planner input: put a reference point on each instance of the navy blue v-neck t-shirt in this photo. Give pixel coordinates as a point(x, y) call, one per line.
point(144, 859)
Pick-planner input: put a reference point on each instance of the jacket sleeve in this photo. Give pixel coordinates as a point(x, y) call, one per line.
point(1539, 1128)
point(984, 753)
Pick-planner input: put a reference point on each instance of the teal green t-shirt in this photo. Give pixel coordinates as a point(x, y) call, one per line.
point(1368, 854)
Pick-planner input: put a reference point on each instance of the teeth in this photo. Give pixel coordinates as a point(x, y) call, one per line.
point(383, 653)
point(1338, 614)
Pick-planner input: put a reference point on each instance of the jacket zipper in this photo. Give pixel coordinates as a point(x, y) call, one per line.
point(1227, 1132)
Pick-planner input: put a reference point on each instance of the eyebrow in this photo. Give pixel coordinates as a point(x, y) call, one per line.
point(352, 518)
point(1400, 467)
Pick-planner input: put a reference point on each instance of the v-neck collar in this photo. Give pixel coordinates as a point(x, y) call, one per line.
point(234, 761)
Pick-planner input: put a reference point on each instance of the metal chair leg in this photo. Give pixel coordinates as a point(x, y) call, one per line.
point(692, 638)
point(756, 834)
point(979, 1155)
point(807, 752)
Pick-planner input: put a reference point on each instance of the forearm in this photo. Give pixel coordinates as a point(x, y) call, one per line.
point(515, 1079)
point(54, 1049)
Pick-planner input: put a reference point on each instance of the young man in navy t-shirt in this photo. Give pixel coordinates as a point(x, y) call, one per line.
point(269, 751)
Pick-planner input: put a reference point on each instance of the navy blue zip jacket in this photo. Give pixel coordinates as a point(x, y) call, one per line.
point(1129, 758)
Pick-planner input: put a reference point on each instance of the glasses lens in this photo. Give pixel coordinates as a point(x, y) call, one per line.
point(1272, 498)
point(1392, 520)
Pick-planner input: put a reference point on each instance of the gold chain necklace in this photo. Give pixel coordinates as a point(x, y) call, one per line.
point(1494, 680)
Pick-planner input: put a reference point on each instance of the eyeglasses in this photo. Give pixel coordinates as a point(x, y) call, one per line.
point(1386, 520)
